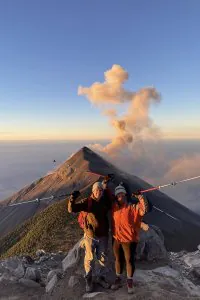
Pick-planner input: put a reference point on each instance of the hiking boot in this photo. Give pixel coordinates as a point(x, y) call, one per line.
point(101, 281)
point(88, 284)
point(117, 284)
point(130, 286)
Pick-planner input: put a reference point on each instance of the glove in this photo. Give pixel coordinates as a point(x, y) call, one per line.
point(137, 193)
point(74, 195)
point(106, 179)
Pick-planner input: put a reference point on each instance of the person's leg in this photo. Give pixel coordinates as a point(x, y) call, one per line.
point(101, 254)
point(133, 247)
point(89, 262)
point(129, 253)
point(119, 263)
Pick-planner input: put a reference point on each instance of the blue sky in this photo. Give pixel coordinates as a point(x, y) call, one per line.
point(49, 48)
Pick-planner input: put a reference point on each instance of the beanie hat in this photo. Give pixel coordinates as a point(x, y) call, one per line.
point(119, 189)
point(96, 185)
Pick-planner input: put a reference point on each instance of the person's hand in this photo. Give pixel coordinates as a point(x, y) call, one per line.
point(107, 179)
point(144, 226)
point(74, 195)
point(137, 193)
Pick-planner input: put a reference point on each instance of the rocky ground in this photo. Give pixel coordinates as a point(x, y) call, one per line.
point(57, 276)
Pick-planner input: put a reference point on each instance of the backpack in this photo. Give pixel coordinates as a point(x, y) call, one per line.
point(83, 215)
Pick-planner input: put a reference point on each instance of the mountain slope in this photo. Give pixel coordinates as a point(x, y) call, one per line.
point(181, 234)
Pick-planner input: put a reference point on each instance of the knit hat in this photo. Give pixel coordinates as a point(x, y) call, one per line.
point(119, 189)
point(96, 185)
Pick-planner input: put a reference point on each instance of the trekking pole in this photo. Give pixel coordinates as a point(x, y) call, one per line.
point(166, 185)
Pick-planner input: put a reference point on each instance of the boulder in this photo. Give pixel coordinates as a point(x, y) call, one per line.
point(72, 258)
point(151, 245)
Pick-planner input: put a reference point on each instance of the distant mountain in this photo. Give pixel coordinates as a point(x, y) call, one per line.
point(73, 174)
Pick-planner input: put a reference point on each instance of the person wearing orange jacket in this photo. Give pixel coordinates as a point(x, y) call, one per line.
point(126, 224)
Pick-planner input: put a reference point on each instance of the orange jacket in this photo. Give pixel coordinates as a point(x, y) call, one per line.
point(126, 221)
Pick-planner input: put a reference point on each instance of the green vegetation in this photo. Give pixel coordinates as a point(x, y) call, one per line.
point(53, 229)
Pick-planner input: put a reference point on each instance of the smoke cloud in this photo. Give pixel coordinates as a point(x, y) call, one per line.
point(135, 123)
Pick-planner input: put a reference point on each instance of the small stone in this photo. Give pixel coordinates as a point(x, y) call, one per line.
point(27, 260)
point(40, 252)
point(92, 295)
point(196, 272)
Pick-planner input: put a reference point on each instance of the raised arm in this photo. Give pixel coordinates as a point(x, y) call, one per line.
point(77, 207)
point(107, 191)
point(142, 205)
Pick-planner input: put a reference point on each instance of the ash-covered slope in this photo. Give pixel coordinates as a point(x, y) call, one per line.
point(181, 234)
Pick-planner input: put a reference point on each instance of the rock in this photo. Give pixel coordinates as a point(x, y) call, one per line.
point(57, 257)
point(151, 245)
point(57, 272)
point(72, 258)
point(159, 232)
point(196, 272)
point(27, 260)
point(73, 281)
point(42, 259)
point(32, 274)
point(40, 252)
point(8, 278)
point(51, 284)
point(29, 283)
point(50, 275)
point(166, 271)
point(198, 247)
point(92, 295)
point(192, 259)
point(14, 266)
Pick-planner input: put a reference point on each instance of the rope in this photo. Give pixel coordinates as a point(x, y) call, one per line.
point(160, 210)
point(40, 199)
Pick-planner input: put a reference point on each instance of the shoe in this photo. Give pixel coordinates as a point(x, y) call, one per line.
point(101, 281)
point(130, 286)
point(117, 284)
point(88, 284)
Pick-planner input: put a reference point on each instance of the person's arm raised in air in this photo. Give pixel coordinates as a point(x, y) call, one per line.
point(77, 207)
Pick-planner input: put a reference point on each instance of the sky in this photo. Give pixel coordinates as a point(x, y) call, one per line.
point(50, 47)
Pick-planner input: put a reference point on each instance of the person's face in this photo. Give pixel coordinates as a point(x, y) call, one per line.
point(98, 193)
point(121, 197)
